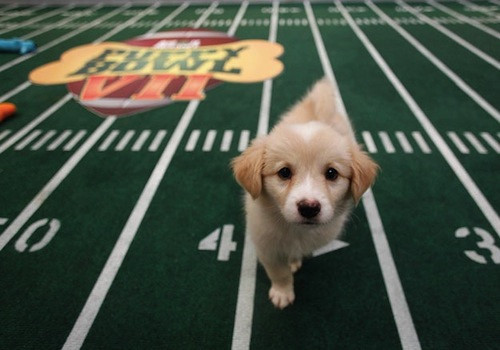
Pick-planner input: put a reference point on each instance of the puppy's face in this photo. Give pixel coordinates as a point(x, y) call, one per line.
point(309, 171)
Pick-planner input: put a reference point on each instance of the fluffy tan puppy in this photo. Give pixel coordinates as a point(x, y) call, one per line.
point(302, 181)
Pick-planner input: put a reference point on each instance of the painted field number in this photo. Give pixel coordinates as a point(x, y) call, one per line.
point(221, 237)
point(52, 227)
point(486, 243)
point(45, 227)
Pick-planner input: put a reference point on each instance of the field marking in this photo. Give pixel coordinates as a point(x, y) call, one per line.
point(21, 145)
point(59, 140)
point(57, 179)
point(11, 7)
point(403, 141)
point(466, 19)
point(399, 306)
point(108, 140)
point(397, 299)
point(125, 140)
point(466, 180)
point(52, 26)
point(369, 142)
point(37, 19)
point(491, 141)
point(9, 16)
point(74, 140)
point(244, 140)
point(193, 140)
point(227, 138)
point(158, 139)
point(459, 82)
point(64, 38)
point(480, 8)
point(141, 140)
point(209, 141)
point(102, 38)
point(30, 126)
point(48, 112)
point(243, 319)
point(54, 182)
point(15, 91)
point(475, 143)
point(4, 133)
point(419, 139)
point(386, 142)
point(46, 137)
point(462, 148)
point(108, 274)
point(464, 43)
point(100, 290)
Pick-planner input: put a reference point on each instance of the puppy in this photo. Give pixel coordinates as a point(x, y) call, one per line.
point(302, 181)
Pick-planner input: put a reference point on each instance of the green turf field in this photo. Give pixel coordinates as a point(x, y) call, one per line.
point(102, 218)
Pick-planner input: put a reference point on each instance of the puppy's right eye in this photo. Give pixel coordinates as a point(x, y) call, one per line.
point(285, 173)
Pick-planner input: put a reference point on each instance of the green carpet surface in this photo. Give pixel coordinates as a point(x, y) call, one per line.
point(101, 218)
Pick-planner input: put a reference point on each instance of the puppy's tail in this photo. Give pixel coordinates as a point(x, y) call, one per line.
point(320, 104)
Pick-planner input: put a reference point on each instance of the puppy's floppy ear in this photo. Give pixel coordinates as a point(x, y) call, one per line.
point(248, 166)
point(364, 171)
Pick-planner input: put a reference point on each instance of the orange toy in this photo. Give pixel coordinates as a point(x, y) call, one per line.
point(6, 110)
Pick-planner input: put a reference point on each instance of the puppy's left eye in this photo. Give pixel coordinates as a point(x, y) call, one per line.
point(285, 173)
point(331, 174)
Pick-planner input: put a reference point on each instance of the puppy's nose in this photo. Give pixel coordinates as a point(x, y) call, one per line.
point(309, 208)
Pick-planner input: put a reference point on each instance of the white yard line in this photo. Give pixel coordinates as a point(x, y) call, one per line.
point(8, 16)
point(481, 8)
point(459, 82)
point(242, 331)
point(52, 109)
point(103, 284)
point(465, 44)
point(63, 38)
point(465, 19)
point(397, 299)
point(34, 123)
point(401, 312)
point(50, 187)
point(113, 264)
point(466, 180)
point(51, 26)
point(37, 19)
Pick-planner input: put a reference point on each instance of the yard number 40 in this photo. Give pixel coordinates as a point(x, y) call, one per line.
point(223, 236)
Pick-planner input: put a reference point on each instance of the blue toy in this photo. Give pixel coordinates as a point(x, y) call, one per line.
point(17, 46)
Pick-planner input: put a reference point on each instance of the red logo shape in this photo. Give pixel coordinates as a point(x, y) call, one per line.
point(130, 94)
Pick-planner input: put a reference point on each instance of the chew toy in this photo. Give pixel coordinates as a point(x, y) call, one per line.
point(17, 46)
point(6, 110)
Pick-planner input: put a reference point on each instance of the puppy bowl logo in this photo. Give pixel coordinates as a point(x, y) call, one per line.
point(154, 70)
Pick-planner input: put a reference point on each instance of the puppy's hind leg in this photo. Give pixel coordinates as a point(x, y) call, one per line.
point(281, 293)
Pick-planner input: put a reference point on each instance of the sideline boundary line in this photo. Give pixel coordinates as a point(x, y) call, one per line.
point(450, 158)
point(397, 299)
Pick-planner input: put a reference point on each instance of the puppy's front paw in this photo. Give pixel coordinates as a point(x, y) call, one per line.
point(281, 297)
point(296, 265)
